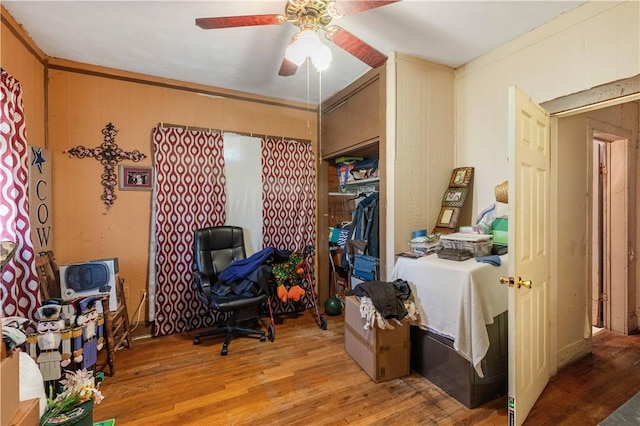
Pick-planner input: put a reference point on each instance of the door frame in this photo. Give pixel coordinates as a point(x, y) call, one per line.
point(599, 206)
point(618, 287)
point(577, 103)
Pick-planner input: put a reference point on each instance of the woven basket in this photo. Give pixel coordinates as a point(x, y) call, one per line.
point(502, 192)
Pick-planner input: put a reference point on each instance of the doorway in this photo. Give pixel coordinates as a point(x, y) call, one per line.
point(610, 218)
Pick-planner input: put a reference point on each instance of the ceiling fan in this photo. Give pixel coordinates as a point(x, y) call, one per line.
point(311, 16)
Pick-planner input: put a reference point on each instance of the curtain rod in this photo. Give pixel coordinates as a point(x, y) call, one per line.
point(257, 135)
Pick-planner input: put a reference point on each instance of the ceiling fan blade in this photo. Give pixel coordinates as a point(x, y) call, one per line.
point(239, 21)
point(358, 48)
point(350, 7)
point(287, 68)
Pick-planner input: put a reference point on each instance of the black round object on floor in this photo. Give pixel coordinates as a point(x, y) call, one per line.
point(333, 306)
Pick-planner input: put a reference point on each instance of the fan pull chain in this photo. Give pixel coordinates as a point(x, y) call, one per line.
point(319, 117)
point(308, 98)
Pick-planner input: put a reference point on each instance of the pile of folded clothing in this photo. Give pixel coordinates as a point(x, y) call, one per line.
point(382, 303)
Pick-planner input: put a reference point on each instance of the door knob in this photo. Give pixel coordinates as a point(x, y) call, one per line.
point(522, 283)
point(518, 283)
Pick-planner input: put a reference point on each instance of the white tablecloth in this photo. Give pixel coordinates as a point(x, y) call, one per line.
point(456, 299)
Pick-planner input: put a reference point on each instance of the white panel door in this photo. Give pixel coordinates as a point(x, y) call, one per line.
point(529, 189)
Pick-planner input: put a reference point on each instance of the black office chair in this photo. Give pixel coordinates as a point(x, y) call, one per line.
point(214, 250)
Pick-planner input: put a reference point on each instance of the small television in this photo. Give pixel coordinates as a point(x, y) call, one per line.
point(89, 278)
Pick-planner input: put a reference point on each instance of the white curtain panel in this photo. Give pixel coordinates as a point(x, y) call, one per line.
point(243, 170)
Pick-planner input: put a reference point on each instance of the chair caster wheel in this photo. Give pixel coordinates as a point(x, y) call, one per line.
point(196, 341)
point(224, 351)
point(262, 337)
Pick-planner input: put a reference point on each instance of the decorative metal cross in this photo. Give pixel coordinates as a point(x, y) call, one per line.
point(109, 155)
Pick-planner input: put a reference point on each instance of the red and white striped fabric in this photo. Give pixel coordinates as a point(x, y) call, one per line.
point(19, 285)
point(288, 194)
point(289, 202)
point(189, 194)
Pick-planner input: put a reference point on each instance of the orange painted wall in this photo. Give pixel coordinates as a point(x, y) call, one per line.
point(80, 100)
point(80, 105)
point(23, 60)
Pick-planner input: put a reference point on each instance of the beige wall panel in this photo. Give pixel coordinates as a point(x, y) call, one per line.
point(572, 153)
point(600, 47)
point(517, 68)
point(623, 115)
point(80, 107)
point(441, 137)
point(628, 37)
point(423, 153)
point(580, 61)
point(412, 153)
point(566, 58)
point(483, 134)
point(22, 60)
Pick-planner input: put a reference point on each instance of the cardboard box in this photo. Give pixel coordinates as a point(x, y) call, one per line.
point(382, 354)
point(90, 278)
point(28, 413)
point(9, 387)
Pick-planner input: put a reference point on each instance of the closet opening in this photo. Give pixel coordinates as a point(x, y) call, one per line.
point(353, 215)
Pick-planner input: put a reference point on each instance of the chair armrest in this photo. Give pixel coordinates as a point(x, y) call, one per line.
point(203, 283)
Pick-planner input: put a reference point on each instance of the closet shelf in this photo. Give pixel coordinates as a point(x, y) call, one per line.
point(361, 182)
point(357, 187)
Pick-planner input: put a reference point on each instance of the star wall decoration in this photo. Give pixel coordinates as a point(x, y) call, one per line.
point(38, 160)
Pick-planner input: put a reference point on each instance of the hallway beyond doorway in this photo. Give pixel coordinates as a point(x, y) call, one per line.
point(590, 389)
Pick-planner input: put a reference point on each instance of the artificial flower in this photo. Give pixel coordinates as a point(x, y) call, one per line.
point(78, 387)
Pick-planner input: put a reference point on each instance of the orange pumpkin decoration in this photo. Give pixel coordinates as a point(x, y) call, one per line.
point(282, 293)
point(295, 293)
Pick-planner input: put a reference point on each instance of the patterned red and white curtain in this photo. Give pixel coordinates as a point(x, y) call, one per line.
point(189, 193)
point(18, 285)
point(288, 194)
point(289, 202)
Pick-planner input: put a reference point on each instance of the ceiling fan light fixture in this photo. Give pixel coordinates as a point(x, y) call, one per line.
point(310, 17)
point(321, 58)
point(307, 44)
point(303, 44)
point(295, 54)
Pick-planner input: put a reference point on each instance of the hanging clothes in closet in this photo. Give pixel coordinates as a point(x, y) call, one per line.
point(365, 224)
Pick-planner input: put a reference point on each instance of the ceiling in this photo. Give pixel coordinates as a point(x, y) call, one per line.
point(160, 38)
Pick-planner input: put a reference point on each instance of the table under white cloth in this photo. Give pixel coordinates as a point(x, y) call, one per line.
point(456, 299)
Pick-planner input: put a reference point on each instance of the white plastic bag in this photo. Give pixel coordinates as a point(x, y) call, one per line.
point(485, 219)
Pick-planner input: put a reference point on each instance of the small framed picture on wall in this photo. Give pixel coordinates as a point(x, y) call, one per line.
point(135, 178)
point(448, 217)
point(461, 177)
point(454, 197)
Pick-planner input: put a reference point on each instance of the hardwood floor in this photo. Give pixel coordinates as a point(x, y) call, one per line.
point(305, 377)
point(587, 391)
